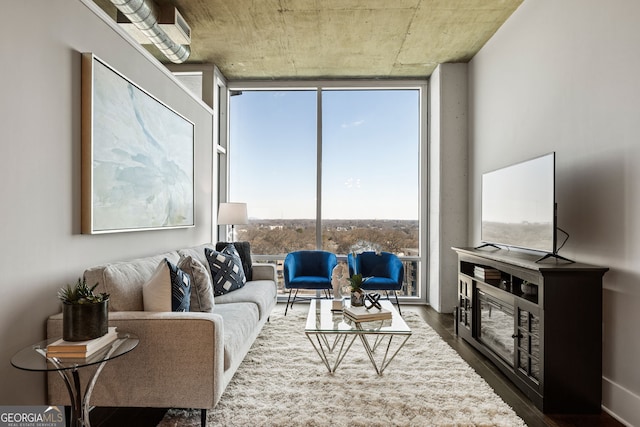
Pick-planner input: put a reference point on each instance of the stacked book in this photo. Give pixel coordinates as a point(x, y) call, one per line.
point(361, 314)
point(62, 349)
point(486, 273)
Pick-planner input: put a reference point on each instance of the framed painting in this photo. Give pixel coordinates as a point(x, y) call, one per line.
point(137, 156)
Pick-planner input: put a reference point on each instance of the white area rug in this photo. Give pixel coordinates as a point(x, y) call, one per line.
point(282, 382)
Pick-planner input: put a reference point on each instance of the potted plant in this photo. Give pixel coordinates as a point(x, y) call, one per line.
point(357, 293)
point(85, 314)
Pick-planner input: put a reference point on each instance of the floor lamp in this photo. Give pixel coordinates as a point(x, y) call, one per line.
point(232, 214)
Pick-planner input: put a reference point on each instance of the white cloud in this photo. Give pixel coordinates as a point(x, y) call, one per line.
point(352, 183)
point(352, 124)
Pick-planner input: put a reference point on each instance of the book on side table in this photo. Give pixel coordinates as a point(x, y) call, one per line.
point(81, 349)
point(362, 314)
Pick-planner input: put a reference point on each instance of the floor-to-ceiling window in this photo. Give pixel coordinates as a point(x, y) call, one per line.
point(333, 168)
point(272, 155)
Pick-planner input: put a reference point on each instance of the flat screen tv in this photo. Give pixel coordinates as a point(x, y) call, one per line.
point(519, 207)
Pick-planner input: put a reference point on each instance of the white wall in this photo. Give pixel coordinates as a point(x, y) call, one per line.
point(42, 248)
point(563, 76)
point(447, 181)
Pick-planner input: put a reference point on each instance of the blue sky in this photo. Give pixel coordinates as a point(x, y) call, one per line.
point(370, 153)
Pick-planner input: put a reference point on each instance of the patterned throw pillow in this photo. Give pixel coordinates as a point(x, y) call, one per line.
point(226, 269)
point(168, 289)
point(244, 250)
point(201, 288)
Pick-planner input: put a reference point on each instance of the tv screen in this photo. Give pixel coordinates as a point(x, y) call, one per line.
point(518, 205)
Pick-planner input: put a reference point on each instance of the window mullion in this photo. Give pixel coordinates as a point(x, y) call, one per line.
point(319, 169)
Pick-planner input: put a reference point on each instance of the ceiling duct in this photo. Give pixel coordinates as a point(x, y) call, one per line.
point(142, 19)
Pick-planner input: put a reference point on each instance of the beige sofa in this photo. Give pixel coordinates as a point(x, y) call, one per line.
point(183, 360)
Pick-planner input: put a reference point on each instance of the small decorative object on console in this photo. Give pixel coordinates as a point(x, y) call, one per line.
point(528, 289)
point(85, 315)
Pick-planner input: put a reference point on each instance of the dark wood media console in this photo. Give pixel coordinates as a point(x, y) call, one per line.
point(540, 323)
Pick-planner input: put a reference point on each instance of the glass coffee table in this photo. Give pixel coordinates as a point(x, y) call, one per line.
point(332, 335)
point(34, 358)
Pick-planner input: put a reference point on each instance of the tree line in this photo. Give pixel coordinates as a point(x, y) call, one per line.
point(273, 237)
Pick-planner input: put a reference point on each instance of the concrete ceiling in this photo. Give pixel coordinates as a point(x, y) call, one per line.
point(327, 39)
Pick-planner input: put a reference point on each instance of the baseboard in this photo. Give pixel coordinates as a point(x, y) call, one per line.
point(621, 403)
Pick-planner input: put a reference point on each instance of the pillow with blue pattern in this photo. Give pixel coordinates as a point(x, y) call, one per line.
point(226, 270)
point(168, 289)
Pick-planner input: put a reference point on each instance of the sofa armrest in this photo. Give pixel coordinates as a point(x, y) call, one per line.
point(178, 363)
point(264, 271)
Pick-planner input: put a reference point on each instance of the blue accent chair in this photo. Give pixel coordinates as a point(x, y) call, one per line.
point(308, 270)
point(381, 272)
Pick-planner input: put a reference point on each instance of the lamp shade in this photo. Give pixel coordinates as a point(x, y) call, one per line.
point(232, 213)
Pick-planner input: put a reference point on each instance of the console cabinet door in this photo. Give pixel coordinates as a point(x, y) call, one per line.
point(529, 345)
point(465, 301)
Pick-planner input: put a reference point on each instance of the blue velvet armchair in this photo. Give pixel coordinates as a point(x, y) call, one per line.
point(381, 272)
point(308, 270)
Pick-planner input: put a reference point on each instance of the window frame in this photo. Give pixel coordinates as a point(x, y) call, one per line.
point(319, 86)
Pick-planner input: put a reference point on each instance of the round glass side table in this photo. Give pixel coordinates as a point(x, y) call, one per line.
point(34, 358)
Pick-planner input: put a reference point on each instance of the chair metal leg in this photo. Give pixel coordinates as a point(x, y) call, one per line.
point(294, 298)
point(287, 306)
point(292, 301)
point(327, 294)
point(203, 418)
point(397, 302)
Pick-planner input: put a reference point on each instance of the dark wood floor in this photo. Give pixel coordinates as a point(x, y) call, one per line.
point(441, 323)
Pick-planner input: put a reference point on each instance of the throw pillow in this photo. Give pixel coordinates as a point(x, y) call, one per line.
point(226, 269)
point(168, 289)
point(244, 250)
point(201, 288)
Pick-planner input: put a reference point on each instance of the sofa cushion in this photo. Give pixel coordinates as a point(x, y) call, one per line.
point(240, 322)
point(168, 289)
point(123, 280)
point(201, 287)
point(260, 292)
point(226, 270)
point(244, 250)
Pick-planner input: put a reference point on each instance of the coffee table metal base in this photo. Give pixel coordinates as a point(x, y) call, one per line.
point(325, 349)
point(389, 353)
point(333, 347)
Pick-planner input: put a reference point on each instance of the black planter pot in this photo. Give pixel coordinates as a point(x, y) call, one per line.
point(81, 322)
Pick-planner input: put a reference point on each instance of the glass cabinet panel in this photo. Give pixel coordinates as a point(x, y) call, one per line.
point(496, 326)
point(529, 344)
point(464, 302)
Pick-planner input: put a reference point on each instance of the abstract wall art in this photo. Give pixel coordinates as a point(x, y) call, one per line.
point(137, 156)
